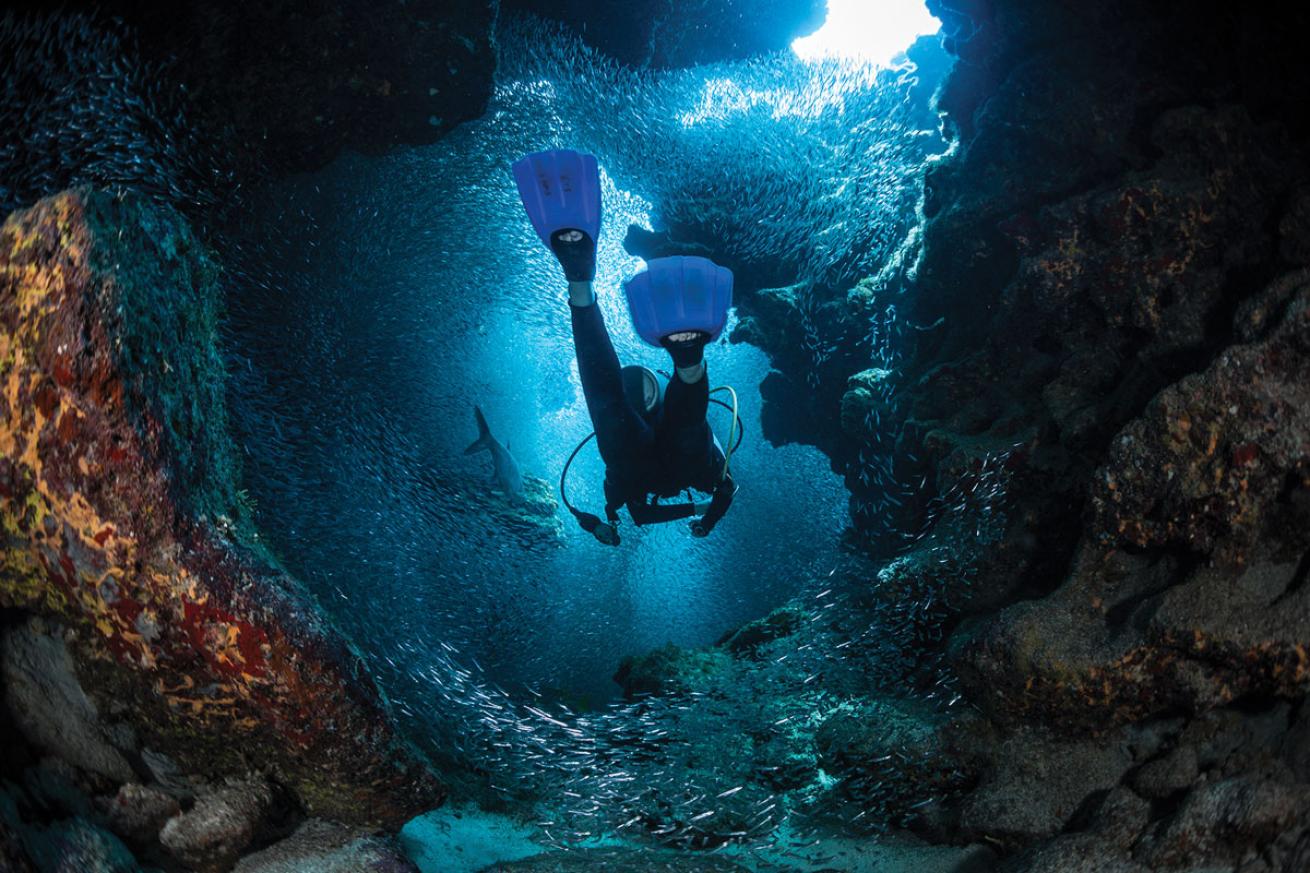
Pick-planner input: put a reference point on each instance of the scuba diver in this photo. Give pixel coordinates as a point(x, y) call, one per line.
point(654, 438)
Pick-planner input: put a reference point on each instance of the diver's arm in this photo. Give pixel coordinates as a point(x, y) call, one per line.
point(719, 503)
point(655, 513)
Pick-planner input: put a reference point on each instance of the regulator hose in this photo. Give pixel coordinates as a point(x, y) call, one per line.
point(734, 429)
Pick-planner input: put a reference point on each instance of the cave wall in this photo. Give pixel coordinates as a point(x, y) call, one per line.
point(1111, 289)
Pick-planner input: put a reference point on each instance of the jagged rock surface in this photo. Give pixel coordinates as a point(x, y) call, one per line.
point(1131, 311)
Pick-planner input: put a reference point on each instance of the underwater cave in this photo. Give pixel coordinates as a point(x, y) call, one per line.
point(988, 552)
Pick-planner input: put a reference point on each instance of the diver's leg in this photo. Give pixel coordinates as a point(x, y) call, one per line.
point(688, 395)
point(684, 431)
point(620, 431)
point(685, 403)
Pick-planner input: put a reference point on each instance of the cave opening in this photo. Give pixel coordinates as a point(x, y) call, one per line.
point(382, 298)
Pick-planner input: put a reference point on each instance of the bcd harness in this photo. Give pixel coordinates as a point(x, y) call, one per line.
point(607, 532)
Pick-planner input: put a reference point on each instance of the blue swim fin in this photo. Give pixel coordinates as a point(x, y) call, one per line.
point(560, 189)
point(677, 294)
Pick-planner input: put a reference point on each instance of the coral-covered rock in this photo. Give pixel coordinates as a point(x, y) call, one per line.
point(1203, 468)
point(862, 406)
point(1217, 464)
point(773, 319)
point(1111, 275)
point(1061, 658)
point(120, 517)
point(747, 639)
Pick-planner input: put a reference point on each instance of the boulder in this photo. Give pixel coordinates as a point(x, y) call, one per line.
point(1038, 782)
point(72, 844)
point(224, 821)
point(326, 847)
point(1219, 822)
point(48, 705)
point(671, 669)
point(1073, 853)
point(1168, 775)
point(137, 813)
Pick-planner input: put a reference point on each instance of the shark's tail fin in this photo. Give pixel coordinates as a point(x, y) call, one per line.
point(484, 434)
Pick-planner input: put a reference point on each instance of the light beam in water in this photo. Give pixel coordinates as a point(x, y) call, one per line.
point(874, 31)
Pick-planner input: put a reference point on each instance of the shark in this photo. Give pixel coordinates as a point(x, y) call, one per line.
point(507, 474)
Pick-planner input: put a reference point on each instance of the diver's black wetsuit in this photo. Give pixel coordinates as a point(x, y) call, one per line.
point(677, 452)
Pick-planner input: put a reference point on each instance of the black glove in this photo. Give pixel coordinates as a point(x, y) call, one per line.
point(689, 349)
point(603, 531)
point(576, 253)
point(698, 528)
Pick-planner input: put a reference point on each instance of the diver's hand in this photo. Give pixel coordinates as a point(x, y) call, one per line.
point(698, 528)
point(607, 534)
